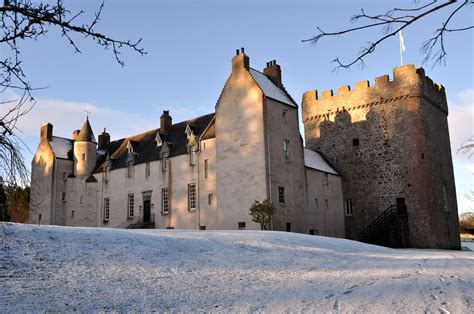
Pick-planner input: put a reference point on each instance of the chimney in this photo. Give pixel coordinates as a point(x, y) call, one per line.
point(240, 60)
point(75, 133)
point(273, 71)
point(165, 122)
point(104, 139)
point(46, 133)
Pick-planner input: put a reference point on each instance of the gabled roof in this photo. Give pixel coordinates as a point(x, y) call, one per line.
point(144, 144)
point(271, 90)
point(315, 160)
point(86, 134)
point(61, 147)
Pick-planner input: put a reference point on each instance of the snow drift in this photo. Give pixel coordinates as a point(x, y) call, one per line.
point(46, 268)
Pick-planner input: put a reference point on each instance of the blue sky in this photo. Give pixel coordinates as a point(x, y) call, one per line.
point(190, 44)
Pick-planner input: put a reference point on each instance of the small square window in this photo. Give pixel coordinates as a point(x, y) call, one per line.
point(241, 225)
point(311, 231)
point(63, 197)
point(355, 142)
point(202, 227)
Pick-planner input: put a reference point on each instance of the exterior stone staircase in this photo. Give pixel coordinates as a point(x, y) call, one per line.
point(389, 229)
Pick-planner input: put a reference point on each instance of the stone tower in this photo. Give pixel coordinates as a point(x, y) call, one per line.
point(85, 154)
point(391, 144)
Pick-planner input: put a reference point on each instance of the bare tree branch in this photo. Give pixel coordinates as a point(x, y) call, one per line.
point(394, 20)
point(22, 20)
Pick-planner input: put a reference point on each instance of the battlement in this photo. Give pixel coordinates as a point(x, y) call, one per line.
point(407, 75)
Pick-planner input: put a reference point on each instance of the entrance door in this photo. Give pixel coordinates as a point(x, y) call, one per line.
point(146, 210)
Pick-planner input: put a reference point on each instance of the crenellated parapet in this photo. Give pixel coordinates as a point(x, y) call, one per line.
point(407, 82)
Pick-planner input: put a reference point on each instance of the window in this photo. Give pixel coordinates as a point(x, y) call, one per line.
point(192, 155)
point(355, 142)
point(206, 168)
point(288, 227)
point(131, 205)
point(283, 116)
point(147, 170)
point(204, 146)
point(106, 209)
point(286, 149)
point(63, 197)
point(164, 163)
point(326, 204)
point(107, 174)
point(81, 199)
point(210, 198)
point(191, 196)
point(64, 176)
point(164, 201)
point(202, 227)
point(311, 231)
point(241, 225)
point(130, 170)
point(83, 156)
point(72, 214)
point(348, 207)
point(316, 205)
point(158, 140)
point(281, 195)
point(325, 178)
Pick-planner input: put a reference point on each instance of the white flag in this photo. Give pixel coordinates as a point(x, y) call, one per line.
point(402, 41)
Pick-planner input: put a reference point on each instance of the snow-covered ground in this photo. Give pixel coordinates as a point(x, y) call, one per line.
point(84, 269)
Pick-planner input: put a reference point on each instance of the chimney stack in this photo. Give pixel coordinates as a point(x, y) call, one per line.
point(240, 60)
point(46, 133)
point(165, 122)
point(104, 139)
point(273, 71)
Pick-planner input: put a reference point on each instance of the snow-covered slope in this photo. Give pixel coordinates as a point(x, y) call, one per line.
point(66, 269)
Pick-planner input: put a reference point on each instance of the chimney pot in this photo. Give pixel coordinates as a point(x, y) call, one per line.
point(242, 49)
point(273, 71)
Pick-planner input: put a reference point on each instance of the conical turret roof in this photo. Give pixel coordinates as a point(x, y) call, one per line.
point(86, 134)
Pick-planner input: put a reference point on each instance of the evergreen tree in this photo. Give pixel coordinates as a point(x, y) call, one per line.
point(262, 213)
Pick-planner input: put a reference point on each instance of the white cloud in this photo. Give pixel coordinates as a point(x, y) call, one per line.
point(67, 116)
point(461, 128)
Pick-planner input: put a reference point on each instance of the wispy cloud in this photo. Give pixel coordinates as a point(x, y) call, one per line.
point(461, 128)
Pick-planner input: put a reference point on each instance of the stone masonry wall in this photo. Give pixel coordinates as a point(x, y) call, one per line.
point(390, 141)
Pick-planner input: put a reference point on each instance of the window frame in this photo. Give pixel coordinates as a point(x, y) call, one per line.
point(106, 209)
point(286, 149)
point(206, 168)
point(131, 205)
point(192, 204)
point(241, 225)
point(281, 195)
point(192, 155)
point(147, 170)
point(165, 201)
point(348, 207)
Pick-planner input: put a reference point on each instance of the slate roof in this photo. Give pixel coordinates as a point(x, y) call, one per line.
point(86, 134)
point(144, 144)
point(61, 147)
point(271, 90)
point(315, 160)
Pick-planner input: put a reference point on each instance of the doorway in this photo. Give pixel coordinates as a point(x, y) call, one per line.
point(146, 207)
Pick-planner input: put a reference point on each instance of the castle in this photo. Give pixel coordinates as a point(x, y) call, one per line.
point(376, 165)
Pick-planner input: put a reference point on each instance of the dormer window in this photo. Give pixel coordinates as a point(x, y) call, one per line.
point(188, 131)
point(129, 147)
point(192, 155)
point(158, 140)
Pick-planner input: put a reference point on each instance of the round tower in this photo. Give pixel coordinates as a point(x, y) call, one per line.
point(85, 155)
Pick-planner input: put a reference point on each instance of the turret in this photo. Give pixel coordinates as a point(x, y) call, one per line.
point(85, 155)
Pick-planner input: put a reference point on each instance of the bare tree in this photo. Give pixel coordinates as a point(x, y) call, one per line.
point(397, 19)
point(23, 20)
